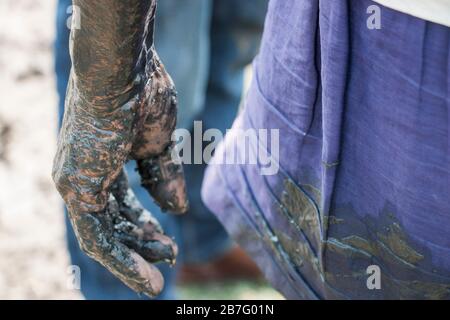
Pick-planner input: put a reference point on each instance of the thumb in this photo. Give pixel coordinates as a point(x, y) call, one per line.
point(163, 178)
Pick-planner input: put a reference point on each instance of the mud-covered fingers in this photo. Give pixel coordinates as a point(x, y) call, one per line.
point(129, 206)
point(132, 269)
point(163, 178)
point(157, 248)
point(145, 236)
point(142, 232)
point(95, 235)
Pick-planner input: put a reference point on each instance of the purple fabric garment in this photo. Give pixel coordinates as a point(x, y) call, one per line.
point(363, 180)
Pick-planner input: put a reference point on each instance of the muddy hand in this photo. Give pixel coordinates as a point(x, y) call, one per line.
point(121, 105)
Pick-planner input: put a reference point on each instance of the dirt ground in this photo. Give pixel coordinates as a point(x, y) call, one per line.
point(33, 259)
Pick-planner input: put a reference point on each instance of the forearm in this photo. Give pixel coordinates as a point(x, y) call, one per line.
point(111, 49)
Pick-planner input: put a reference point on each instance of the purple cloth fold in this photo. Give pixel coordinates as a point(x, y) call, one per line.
point(364, 155)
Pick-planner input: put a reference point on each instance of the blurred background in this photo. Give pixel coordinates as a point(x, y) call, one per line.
point(34, 260)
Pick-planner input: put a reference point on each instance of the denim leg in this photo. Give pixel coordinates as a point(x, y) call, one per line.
point(61, 52)
point(97, 282)
point(235, 31)
point(182, 41)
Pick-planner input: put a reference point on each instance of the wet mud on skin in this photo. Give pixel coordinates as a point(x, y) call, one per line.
point(356, 243)
point(121, 104)
point(161, 177)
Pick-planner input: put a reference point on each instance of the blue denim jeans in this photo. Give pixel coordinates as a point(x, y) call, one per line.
point(205, 45)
